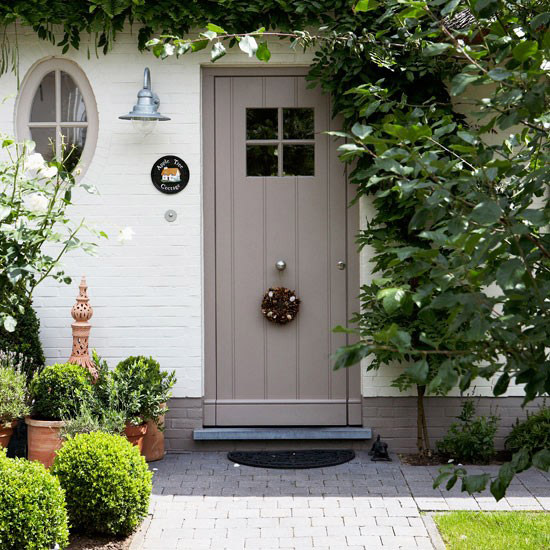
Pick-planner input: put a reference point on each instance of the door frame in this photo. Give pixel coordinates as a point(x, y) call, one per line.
point(208, 75)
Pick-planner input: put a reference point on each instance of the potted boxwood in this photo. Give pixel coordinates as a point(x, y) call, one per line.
point(58, 392)
point(13, 399)
point(155, 388)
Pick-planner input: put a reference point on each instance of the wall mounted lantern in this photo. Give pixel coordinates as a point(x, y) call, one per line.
point(144, 115)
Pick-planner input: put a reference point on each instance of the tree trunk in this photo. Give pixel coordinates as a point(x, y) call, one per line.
point(422, 437)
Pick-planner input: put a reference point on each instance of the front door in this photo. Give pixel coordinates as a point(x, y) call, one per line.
point(279, 195)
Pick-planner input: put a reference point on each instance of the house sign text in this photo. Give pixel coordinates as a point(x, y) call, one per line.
point(170, 174)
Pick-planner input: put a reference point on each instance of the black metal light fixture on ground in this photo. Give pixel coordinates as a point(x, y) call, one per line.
point(145, 115)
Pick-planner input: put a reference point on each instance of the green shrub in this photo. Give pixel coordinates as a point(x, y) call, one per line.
point(532, 434)
point(33, 515)
point(87, 421)
point(60, 391)
point(472, 440)
point(24, 342)
point(106, 481)
point(141, 378)
point(13, 394)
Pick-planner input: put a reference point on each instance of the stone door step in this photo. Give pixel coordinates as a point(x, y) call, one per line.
point(227, 434)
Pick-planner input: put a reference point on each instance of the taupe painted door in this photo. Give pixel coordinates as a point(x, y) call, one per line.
point(280, 194)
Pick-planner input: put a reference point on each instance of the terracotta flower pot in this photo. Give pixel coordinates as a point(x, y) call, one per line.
point(6, 431)
point(153, 442)
point(136, 434)
point(43, 439)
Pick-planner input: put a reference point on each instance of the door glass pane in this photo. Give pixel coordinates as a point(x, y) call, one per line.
point(73, 108)
point(298, 123)
point(298, 160)
point(43, 103)
point(261, 124)
point(74, 138)
point(45, 141)
point(261, 160)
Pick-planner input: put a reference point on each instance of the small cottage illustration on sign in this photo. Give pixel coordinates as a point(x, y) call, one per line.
point(171, 175)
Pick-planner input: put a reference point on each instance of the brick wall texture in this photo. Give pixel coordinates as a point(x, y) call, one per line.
point(394, 418)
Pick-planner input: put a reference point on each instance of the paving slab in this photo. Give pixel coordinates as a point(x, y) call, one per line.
point(202, 500)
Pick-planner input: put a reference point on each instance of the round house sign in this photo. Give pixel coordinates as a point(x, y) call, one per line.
point(170, 174)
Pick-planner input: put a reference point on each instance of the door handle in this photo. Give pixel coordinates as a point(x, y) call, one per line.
point(341, 265)
point(280, 265)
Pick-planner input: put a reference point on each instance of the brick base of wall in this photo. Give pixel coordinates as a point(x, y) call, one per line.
point(394, 418)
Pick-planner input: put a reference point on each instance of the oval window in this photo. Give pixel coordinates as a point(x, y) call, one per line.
point(57, 110)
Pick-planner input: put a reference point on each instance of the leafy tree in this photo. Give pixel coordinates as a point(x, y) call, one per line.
point(460, 234)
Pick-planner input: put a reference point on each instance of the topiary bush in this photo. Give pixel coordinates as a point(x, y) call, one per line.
point(532, 434)
point(472, 440)
point(106, 481)
point(143, 377)
point(25, 343)
point(33, 515)
point(60, 391)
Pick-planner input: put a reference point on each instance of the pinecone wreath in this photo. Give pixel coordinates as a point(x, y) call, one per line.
point(280, 305)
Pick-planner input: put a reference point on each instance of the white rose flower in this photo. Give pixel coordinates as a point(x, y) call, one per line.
point(169, 49)
point(34, 162)
point(36, 203)
point(125, 234)
point(49, 171)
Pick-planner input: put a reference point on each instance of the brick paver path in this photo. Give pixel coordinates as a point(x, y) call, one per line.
point(201, 500)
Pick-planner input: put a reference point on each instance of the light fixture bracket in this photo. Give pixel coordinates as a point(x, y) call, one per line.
point(146, 108)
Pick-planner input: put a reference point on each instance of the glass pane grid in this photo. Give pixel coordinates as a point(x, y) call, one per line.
point(280, 142)
point(58, 110)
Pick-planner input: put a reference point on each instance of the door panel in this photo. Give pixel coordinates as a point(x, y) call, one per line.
point(269, 374)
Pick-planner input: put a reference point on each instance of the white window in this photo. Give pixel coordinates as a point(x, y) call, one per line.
point(57, 110)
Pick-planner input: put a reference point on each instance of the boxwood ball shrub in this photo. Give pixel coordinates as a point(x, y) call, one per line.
point(60, 391)
point(106, 481)
point(24, 342)
point(33, 515)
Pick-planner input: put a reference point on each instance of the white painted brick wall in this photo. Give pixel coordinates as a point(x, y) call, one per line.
point(146, 294)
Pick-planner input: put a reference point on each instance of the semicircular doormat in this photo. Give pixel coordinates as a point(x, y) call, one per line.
point(292, 460)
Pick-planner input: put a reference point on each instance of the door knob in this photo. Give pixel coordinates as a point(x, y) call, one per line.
point(341, 265)
point(280, 265)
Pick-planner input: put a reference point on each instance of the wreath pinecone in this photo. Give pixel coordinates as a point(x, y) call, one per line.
point(280, 305)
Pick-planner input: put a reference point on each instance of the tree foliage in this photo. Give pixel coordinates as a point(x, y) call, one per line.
point(460, 230)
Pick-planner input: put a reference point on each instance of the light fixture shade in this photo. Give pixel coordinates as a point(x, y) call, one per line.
point(147, 104)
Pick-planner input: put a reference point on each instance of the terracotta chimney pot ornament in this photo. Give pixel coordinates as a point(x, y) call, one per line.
point(82, 312)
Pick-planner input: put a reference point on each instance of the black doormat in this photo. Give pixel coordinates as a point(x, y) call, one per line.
point(291, 460)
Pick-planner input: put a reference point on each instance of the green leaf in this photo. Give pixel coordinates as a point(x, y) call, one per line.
point(365, 5)
point(391, 298)
point(461, 81)
point(502, 384)
point(215, 28)
point(486, 212)
point(541, 460)
point(361, 130)
point(199, 45)
point(499, 74)
point(524, 50)
point(510, 273)
point(435, 48)
point(475, 483)
point(419, 372)
point(218, 50)
point(263, 53)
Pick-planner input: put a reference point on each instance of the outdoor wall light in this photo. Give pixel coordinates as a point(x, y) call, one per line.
point(144, 115)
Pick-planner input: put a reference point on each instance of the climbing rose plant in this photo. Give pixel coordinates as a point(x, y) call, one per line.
point(35, 228)
point(460, 241)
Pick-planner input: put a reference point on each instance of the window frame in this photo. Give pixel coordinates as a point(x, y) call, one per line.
point(28, 89)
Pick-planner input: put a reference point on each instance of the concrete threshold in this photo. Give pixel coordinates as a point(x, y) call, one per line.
point(231, 434)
